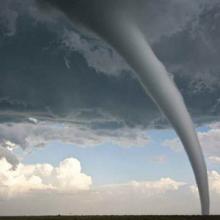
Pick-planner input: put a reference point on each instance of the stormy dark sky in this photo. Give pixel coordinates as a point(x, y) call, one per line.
point(50, 71)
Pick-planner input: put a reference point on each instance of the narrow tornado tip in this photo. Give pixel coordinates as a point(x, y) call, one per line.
point(205, 210)
point(205, 205)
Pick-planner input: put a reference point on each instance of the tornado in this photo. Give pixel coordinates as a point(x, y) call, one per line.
point(116, 23)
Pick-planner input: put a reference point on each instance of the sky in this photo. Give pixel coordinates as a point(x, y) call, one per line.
point(78, 135)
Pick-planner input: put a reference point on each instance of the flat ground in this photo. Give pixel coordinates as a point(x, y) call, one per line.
point(112, 218)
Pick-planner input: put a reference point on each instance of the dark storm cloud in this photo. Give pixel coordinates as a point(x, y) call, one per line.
point(192, 55)
point(40, 82)
point(53, 73)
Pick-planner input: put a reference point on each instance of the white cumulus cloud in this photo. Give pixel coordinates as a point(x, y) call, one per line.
point(149, 188)
point(214, 159)
point(66, 177)
point(214, 181)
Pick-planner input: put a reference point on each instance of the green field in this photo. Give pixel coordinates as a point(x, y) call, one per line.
point(111, 217)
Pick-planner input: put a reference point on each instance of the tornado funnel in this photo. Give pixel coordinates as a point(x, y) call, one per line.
point(114, 21)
